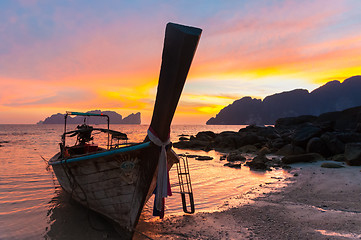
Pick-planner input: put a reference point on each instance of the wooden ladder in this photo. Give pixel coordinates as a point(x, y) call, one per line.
point(185, 184)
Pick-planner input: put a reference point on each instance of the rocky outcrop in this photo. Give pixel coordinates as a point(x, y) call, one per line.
point(333, 96)
point(132, 119)
point(114, 117)
point(353, 154)
point(298, 139)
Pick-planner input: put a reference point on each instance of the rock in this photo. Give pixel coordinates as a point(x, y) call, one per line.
point(205, 136)
point(192, 144)
point(307, 157)
point(317, 145)
point(235, 156)
point(358, 128)
point(247, 149)
point(334, 145)
point(293, 122)
point(183, 139)
point(304, 133)
point(227, 140)
point(263, 151)
point(204, 158)
point(353, 154)
point(183, 135)
point(339, 158)
point(266, 132)
point(233, 165)
point(258, 163)
point(326, 126)
point(277, 143)
point(290, 149)
point(248, 139)
point(343, 120)
point(223, 157)
point(331, 165)
point(348, 137)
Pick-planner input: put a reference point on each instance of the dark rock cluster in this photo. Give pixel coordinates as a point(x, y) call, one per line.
point(335, 136)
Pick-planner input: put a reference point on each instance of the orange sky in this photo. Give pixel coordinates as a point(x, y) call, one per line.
point(83, 56)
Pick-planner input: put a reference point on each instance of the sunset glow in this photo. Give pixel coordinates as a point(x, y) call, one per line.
point(83, 55)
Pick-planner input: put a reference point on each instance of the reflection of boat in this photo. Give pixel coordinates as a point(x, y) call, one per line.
point(117, 180)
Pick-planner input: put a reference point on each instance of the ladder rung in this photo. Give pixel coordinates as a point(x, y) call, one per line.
point(182, 192)
point(185, 183)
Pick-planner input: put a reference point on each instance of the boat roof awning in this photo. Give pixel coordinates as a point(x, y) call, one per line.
point(86, 114)
point(115, 134)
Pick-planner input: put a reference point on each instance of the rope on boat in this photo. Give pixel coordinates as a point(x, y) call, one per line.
point(162, 179)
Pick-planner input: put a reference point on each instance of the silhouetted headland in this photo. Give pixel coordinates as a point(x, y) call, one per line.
point(333, 96)
point(115, 118)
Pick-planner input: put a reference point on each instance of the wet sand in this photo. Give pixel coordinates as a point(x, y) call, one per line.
point(317, 203)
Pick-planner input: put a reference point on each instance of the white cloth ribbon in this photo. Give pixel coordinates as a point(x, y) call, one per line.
point(162, 179)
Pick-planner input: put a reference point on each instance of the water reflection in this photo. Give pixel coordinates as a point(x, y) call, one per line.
point(70, 220)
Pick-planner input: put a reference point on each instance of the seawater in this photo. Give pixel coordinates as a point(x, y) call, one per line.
point(33, 205)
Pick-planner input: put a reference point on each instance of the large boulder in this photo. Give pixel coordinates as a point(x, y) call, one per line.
point(276, 143)
point(353, 154)
point(233, 140)
point(290, 149)
point(268, 132)
point(249, 139)
point(206, 136)
point(347, 119)
point(334, 145)
point(317, 145)
point(349, 137)
point(308, 157)
point(304, 133)
point(293, 122)
point(235, 156)
point(258, 163)
point(248, 149)
point(192, 144)
point(229, 141)
point(233, 165)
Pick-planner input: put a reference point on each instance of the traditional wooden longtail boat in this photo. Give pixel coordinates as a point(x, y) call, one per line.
point(116, 181)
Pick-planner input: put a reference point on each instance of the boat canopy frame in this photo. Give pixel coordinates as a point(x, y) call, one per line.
point(68, 113)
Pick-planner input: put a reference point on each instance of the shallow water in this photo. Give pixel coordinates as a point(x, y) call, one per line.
point(33, 206)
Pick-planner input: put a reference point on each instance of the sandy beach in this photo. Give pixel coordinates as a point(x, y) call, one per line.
point(316, 203)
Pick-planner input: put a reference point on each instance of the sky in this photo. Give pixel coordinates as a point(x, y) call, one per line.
point(58, 56)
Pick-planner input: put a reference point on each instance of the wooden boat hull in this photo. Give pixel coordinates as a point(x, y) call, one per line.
point(116, 183)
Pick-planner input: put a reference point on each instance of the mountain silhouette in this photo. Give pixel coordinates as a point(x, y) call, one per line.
point(333, 96)
point(114, 117)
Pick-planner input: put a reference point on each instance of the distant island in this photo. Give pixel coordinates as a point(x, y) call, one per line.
point(333, 96)
point(115, 118)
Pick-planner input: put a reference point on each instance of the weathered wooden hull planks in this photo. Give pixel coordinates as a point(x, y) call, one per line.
point(116, 186)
